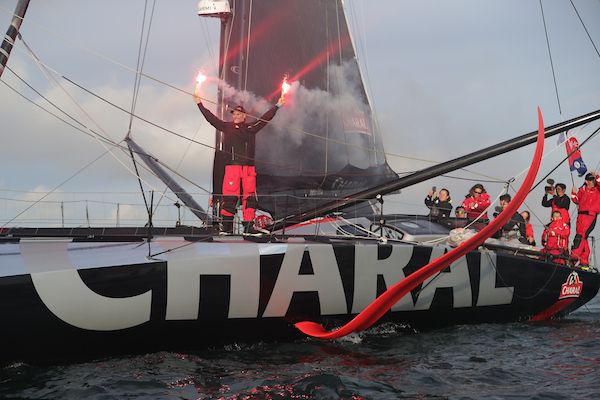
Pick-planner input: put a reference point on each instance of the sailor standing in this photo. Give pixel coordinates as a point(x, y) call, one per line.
point(559, 201)
point(587, 199)
point(239, 168)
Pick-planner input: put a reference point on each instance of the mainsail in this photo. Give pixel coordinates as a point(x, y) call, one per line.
point(323, 144)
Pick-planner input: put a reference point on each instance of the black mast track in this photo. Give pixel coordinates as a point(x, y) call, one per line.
point(436, 170)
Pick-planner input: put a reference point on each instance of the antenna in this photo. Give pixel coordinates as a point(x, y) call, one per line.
point(214, 8)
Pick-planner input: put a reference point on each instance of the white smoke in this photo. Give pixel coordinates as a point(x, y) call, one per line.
point(310, 125)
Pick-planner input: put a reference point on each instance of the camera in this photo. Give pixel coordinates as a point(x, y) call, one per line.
point(549, 189)
point(497, 211)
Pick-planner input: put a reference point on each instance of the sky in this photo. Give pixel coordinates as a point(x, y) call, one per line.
point(445, 78)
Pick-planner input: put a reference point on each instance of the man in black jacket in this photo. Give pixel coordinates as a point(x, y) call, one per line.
point(239, 146)
point(515, 227)
point(559, 201)
point(439, 204)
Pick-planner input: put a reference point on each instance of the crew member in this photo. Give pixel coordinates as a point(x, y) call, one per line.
point(587, 199)
point(476, 202)
point(559, 201)
point(239, 164)
point(528, 228)
point(515, 227)
point(440, 205)
point(555, 238)
point(460, 212)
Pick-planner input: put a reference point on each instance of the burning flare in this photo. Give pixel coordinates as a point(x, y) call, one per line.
point(285, 87)
point(200, 78)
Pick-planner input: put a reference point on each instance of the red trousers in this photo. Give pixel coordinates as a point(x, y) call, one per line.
point(234, 175)
point(584, 226)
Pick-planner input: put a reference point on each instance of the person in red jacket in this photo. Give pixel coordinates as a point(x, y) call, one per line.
point(587, 199)
point(240, 139)
point(476, 202)
point(529, 235)
point(556, 237)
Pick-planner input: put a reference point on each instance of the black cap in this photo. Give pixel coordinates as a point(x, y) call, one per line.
point(238, 108)
point(589, 177)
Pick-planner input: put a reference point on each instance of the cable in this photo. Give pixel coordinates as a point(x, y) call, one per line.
point(136, 87)
point(551, 62)
point(56, 188)
point(585, 28)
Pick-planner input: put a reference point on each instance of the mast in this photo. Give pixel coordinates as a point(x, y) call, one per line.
point(12, 32)
point(436, 170)
point(222, 10)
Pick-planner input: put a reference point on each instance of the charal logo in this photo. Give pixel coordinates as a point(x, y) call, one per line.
point(572, 287)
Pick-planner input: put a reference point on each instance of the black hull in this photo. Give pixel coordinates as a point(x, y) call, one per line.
point(502, 288)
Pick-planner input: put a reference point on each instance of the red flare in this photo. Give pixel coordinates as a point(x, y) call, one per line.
point(200, 78)
point(285, 87)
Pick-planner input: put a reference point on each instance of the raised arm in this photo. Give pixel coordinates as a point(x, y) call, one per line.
point(210, 117)
point(262, 121)
point(546, 202)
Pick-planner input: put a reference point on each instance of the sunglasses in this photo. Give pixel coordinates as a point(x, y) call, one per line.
point(476, 192)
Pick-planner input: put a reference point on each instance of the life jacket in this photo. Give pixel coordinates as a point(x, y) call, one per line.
point(556, 235)
point(474, 206)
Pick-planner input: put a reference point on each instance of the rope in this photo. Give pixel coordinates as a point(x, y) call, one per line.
point(55, 188)
point(136, 88)
point(103, 140)
point(564, 159)
point(87, 132)
point(551, 62)
point(585, 28)
point(159, 81)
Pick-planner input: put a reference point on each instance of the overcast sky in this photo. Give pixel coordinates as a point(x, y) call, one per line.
point(445, 78)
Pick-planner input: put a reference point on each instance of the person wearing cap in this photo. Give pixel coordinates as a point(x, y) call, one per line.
point(239, 146)
point(587, 199)
point(559, 202)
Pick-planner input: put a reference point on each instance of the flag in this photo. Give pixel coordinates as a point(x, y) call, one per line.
point(575, 161)
point(561, 138)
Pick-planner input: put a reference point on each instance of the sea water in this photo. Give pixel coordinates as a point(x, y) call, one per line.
point(548, 360)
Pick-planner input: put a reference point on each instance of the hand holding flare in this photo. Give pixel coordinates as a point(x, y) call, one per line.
point(285, 88)
point(200, 78)
point(383, 303)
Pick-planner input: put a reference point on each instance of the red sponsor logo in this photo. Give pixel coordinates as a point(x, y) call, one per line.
point(572, 287)
point(357, 122)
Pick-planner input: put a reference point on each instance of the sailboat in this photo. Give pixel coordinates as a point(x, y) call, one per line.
point(328, 250)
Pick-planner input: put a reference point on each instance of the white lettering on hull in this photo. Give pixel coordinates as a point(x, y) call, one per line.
point(62, 290)
point(489, 294)
point(457, 279)
point(368, 268)
point(326, 281)
point(241, 261)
